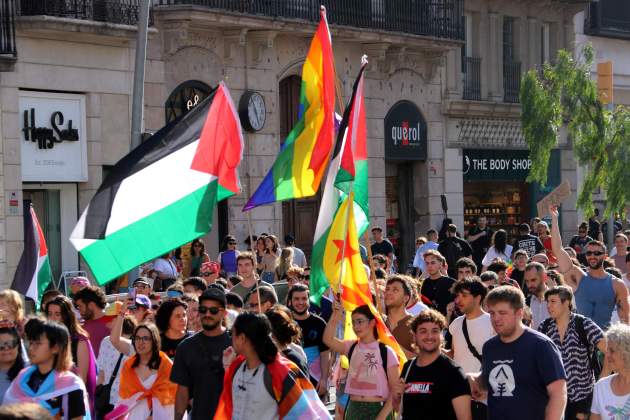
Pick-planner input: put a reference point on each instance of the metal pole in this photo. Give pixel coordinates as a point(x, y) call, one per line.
point(137, 106)
point(138, 74)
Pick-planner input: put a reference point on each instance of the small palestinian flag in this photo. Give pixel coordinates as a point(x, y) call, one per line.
point(33, 274)
point(163, 193)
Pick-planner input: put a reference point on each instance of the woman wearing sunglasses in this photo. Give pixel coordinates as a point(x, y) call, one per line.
point(227, 257)
point(11, 360)
point(198, 256)
point(49, 381)
point(146, 391)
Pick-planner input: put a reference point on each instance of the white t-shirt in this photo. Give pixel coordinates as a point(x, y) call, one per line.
point(106, 362)
point(479, 330)
point(492, 254)
point(416, 308)
point(607, 404)
point(250, 399)
point(166, 267)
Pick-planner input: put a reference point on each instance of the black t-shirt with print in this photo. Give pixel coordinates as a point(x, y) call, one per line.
point(169, 346)
point(530, 243)
point(76, 405)
point(384, 248)
point(430, 390)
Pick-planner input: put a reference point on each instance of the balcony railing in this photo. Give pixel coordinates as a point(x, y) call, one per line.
point(472, 78)
point(113, 11)
point(436, 18)
point(511, 81)
point(7, 27)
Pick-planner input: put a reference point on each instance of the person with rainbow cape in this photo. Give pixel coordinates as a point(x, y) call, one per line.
point(49, 380)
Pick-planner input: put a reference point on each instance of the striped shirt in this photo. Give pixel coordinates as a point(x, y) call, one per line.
point(575, 357)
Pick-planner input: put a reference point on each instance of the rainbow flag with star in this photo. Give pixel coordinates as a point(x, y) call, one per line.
point(342, 261)
point(301, 163)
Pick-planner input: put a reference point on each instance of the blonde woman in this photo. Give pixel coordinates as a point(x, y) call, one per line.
point(285, 262)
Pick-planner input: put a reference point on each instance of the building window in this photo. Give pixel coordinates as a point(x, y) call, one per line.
point(508, 39)
point(511, 67)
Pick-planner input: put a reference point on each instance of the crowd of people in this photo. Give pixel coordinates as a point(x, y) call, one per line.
point(491, 330)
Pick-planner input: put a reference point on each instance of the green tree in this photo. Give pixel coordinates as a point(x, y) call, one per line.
point(564, 94)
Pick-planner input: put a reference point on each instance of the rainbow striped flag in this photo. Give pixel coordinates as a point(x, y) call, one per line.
point(300, 165)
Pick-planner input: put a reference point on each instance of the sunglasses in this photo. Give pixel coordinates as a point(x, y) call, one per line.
point(213, 311)
point(207, 273)
point(8, 345)
point(145, 338)
point(595, 253)
point(306, 277)
point(231, 243)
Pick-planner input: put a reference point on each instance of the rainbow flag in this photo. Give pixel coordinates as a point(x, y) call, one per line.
point(300, 165)
point(353, 286)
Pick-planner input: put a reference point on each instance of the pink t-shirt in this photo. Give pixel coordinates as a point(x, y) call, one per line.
point(366, 376)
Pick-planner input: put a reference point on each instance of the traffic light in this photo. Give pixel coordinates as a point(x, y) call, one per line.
point(605, 82)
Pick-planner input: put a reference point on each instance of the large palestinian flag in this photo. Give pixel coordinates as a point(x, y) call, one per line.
point(33, 273)
point(162, 194)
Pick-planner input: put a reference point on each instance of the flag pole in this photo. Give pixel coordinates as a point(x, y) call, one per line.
point(345, 237)
point(379, 304)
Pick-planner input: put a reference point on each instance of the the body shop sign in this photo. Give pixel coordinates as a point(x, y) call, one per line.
point(53, 137)
point(504, 165)
point(405, 133)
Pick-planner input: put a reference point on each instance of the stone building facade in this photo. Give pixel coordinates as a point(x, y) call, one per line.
point(415, 77)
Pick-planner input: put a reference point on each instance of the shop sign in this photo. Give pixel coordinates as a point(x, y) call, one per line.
point(405, 133)
point(500, 165)
point(53, 137)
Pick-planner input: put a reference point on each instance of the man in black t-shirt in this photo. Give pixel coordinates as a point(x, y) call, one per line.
point(530, 243)
point(437, 287)
point(198, 367)
point(480, 239)
point(381, 245)
point(312, 326)
point(579, 241)
point(454, 248)
point(432, 385)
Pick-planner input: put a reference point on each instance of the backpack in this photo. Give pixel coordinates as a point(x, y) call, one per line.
point(382, 349)
point(595, 365)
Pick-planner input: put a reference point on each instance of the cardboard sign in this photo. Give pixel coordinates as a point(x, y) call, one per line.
point(554, 198)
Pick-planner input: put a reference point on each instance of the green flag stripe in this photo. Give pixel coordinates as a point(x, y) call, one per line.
point(166, 229)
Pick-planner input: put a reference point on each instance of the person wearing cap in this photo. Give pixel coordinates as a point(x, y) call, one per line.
point(209, 272)
point(142, 286)
point(544, 234)
point(299, 258)
point(198, 366)
point(141, 306)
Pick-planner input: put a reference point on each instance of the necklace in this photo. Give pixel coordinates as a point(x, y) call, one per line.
point(243, 381)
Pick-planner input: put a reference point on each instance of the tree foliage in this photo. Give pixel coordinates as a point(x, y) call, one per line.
point(565, 94)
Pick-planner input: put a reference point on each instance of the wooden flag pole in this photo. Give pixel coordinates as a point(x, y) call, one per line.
point(379, 304)
point(252, 246)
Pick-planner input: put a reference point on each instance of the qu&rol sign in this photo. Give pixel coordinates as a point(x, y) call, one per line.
point(405, 133)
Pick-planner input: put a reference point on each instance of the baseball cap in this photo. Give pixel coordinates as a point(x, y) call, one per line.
point(210, 267)
point(141, 280)
point(214, 293)
point(142, 300)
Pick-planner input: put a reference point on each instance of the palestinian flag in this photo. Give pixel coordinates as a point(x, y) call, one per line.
point(163, 193)
point(33, 273)
point(353, 170)
point(348, 171)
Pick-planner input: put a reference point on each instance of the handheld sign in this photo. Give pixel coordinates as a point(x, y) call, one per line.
point(554, 198)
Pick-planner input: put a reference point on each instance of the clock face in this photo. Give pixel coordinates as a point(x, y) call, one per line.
point(256, 111)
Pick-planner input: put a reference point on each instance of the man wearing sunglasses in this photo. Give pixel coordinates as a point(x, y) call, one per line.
point(597, 293)
point(198, 367)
